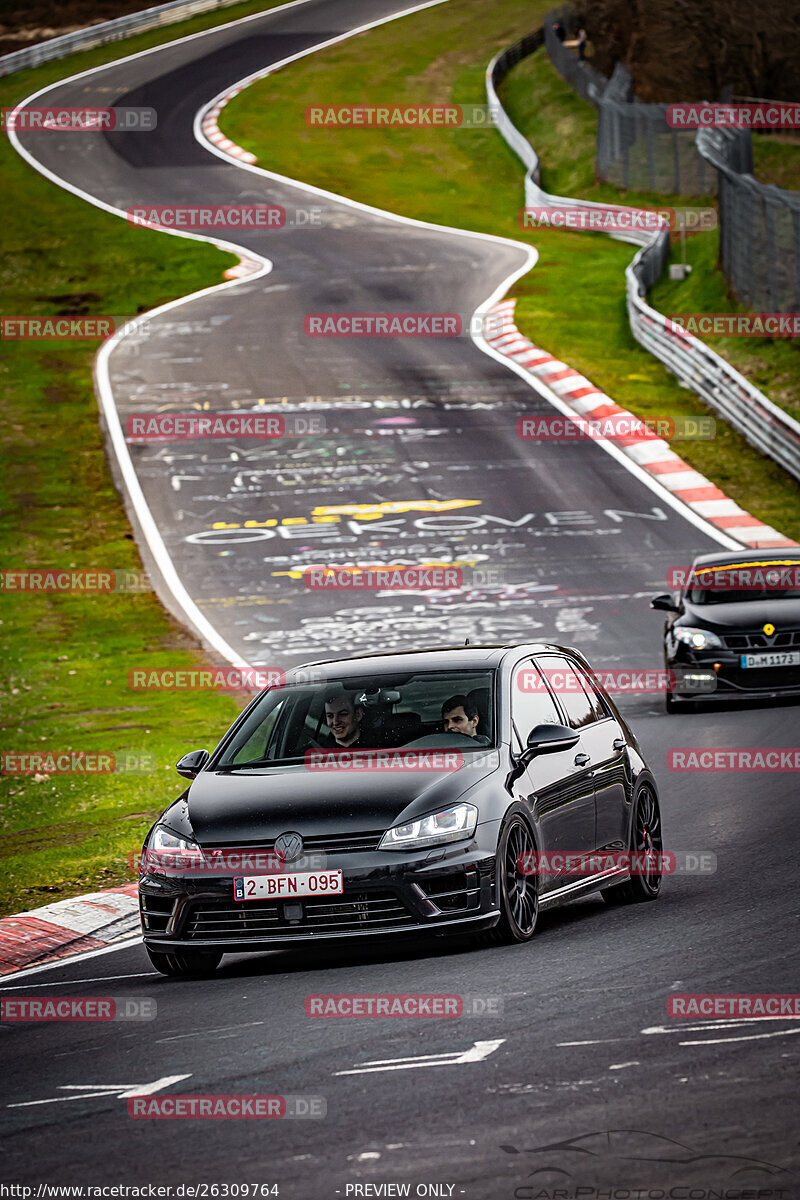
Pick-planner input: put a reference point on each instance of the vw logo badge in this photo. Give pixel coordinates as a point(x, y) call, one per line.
point(290, 845)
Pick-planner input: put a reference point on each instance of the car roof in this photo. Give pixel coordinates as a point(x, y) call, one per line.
point(744, 556)
point(460, 658)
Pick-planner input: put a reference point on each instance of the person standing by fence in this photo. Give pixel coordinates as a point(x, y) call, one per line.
point(582, 40)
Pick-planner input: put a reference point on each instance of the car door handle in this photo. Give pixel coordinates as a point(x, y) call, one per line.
point(581, 760)
point(618, 744)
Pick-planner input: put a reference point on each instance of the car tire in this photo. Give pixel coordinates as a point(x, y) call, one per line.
point(645, 835)
point(185, 964)
point(673, 705)
point(517, 893)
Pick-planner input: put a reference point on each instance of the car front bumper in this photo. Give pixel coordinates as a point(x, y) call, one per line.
point(733, 682)
point(385, 894)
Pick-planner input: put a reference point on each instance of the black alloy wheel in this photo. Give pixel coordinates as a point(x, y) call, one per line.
point(646, 846)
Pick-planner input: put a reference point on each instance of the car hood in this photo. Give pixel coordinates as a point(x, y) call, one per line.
point(237, 808)
point(747, 614)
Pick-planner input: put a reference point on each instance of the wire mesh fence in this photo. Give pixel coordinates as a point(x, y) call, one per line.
point(759, 227)
point(636, 147)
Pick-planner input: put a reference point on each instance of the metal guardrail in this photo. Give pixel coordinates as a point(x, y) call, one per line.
point(106, 31)
point(719, 385)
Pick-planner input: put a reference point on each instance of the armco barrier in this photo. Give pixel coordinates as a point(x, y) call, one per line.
point(106, 31)
point(723, 389)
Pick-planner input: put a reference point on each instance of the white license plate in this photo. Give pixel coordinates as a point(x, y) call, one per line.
point(778, 658)
point(301, 883)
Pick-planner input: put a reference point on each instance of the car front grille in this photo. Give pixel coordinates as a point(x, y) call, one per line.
point(228, 918)
point(756, 640)
point(330, 843)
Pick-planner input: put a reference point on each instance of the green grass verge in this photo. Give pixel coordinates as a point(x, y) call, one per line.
point(573, 302)
point(777, 160)
point(63, 681)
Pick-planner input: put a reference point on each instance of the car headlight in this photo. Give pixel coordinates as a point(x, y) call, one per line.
point(449, 825)
point(166, 852)
point(698, 639)
point(164, 839)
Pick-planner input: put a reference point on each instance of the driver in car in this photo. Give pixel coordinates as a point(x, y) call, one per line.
point(460, 715)
point(344, 717)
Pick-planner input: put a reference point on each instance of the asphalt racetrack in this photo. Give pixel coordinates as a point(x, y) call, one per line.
point(583, 1045)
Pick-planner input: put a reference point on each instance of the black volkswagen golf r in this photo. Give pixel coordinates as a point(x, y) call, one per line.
point(394, 821)
point(733, 630)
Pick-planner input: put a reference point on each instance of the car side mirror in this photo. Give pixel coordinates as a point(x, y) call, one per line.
point(665, 602)
point(549, 739)
point(192, 763)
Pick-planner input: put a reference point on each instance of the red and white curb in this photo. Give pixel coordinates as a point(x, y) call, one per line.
point(644, 447)
point(214, 134)
point(68, 927)
point(245, 266)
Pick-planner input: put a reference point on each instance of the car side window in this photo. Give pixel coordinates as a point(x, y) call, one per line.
point(599, 706)
point(255, 748)
point(569, 689)
point(531, 702)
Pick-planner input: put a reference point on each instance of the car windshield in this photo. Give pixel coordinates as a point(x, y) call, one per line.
point(732, 596)
point(742, 581)
point(436, 709)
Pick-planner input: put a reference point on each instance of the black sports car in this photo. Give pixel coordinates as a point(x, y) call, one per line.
point(734, 628)
point(402, 793)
